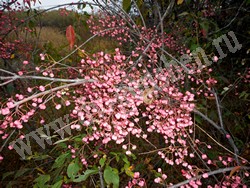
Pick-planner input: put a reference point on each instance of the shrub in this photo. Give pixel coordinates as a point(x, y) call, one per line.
point(128, 117)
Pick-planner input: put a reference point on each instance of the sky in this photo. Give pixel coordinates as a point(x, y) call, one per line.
point(51, 3)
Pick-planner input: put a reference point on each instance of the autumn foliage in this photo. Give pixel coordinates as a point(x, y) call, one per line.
point(70, 34)
point(132, 116)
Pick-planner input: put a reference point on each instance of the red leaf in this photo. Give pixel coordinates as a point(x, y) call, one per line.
point(70, 34)
point(234, 170)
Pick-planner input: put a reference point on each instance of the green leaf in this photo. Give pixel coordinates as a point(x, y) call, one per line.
point(133, 156)
point(125, 159)
point(62, 145)
point(193, 47)
point(126, 5)
point(41, 180)
point(72, 170)
point(244, 95)
point(86, 174)
point(205, 26)
point(117, 157)
point(198, 120)
point(103, 160)
point(57, 184)
point(179, 2)
point(5, 175)
point(60, 160)
point(128, 170)
point(80, 178)
point(60, 141)
point(40, 157)
point(225, 89)
point(78, 138)
point(21, 172)
point(183, 14)
point(111, 176)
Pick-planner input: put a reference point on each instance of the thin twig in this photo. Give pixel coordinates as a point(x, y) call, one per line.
point(218, 109)
point(101, 177)
point(152, 151)
point(40, 78)
point(143, 21)
point(52, 90)
point(208, 120)
point(221, 170)
point(220, 144)
point(7, 140)
point(192, 144)
point(223, 131)
point(230, 21)
point(168, 10)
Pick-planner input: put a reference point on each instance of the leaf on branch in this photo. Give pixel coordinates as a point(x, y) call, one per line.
point(111, 176)
point(57, 184)
point(86, 174)
point(70, 35)
point(148, 95)
point(179, 2)
point(126, 5)
point(72, 170)
point(234, 170)
point(42, 179)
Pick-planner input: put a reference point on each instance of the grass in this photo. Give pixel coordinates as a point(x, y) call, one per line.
point(43, 36)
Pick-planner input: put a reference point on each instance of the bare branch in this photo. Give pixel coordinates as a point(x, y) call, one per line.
point(221, 170)
point(52, 90)
point(218, 109)
point(229, 22)
point(11, 80)
point(4, 144)
point(8, 72)
point(40, 78)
